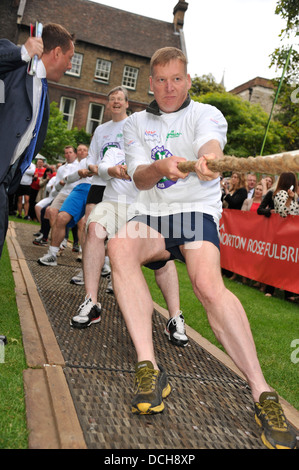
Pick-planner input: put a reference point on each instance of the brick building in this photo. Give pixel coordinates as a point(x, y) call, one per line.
point(258, 90)
point(113, 47)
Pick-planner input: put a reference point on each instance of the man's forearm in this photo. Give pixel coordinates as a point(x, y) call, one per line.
point(146, 176)
point(212, 146)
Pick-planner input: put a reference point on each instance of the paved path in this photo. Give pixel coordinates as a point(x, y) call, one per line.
point(78, 383)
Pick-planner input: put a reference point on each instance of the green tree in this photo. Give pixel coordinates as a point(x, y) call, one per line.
point(58, 135)
point(205, 84)
point(288, 10)
point(246, 125)
point(81, 136)
point(288, 98)
point(288, 114)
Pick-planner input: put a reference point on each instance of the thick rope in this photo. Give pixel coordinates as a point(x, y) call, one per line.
point(270, 165)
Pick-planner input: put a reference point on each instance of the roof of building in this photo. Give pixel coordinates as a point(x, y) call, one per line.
point(104, 26)
point(257, 81)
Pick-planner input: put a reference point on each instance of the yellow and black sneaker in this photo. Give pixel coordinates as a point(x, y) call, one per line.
point(151, 386)
point(270, 417)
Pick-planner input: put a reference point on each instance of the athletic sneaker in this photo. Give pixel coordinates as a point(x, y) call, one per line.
point(78, 279)
point(88, 313)
point(37, 234)
point(175, 330)
point(63, 244)
point(151, 386)
point(40, 241)
point(109, 288)
point(270, 417)
point(76, 247)
point(106, 270)
point(48, 260)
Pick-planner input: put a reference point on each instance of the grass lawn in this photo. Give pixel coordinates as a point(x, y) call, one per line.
point(274, 323)
point(13, 429)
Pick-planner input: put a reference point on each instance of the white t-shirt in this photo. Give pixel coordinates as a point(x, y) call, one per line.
point(28, 175)
point(75, 178)
point(62, 172)
point(117, 189)
point(149, 137)
point(109, 134)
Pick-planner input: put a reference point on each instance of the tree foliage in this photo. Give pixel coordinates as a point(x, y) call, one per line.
point(58, 135)
point(288, 10)
point(288, 98)
point(246, 125)
point(288, 113)
point(205, 84)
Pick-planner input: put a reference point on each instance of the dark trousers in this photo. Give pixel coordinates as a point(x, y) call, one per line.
point(7, 187)
point(3, 215)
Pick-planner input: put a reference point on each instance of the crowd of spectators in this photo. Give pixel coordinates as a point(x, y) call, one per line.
point(265, 196)
point(32, 189)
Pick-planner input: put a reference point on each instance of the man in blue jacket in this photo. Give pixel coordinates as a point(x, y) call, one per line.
point(19, 107)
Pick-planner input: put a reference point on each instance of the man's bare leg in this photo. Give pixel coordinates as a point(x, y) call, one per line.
point(167, 280)
point(130, 288)
point(226, 315)
point(93, 259)
point(51, 214)
point(59, 226)
point(89, 311)
point(88, 210)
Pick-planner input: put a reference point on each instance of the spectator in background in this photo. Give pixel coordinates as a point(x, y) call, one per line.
point(251, 184)
point(38, 174)
point(24, 190)
point(267, 182)
point(266, 207)
point(285, 195)
point(252, 204)
point(43, 192)
point(236, 194)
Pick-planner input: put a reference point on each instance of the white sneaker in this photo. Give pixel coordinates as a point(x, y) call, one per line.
point(48, 260)
point(88, 313)
point(78, 279)
point(63, 244)
point(175, 330)
point(106, 270)
point(109, 288)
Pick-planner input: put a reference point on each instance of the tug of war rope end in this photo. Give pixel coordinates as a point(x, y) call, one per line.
point(271, 165)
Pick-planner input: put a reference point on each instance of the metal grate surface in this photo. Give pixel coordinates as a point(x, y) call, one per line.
point(210, 407)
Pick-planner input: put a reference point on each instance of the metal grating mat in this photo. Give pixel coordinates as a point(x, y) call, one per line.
point(210, 407)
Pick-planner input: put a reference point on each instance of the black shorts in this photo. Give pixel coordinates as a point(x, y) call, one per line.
point(95, 194)
point(23, 190)
point(180, 229)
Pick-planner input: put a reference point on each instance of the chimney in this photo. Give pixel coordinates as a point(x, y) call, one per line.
point(179, 13)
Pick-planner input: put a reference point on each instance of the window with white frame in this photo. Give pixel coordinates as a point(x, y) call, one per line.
point(67, 107)
point(102, 71)
point(77, 61)
point(94, 118)
point(130, 75)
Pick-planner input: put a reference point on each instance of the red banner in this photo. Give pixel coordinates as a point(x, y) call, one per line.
point(260, 248)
